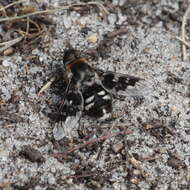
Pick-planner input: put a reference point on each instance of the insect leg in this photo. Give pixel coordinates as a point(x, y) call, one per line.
point(70, 111)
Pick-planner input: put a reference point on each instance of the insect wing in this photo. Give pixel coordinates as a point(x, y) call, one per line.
point(97, 101)
point(69, 115)
point(118, 84)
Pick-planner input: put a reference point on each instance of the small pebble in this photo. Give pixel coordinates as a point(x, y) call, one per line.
point(35, 51)
point(117, 147)
point(188, 176)
point(70, 181)
point(112, 18)
point(176, 163)
point(32, 154)
point(136, 172)
point(92, 38)
point(8, 51)
point(67, 22)
point(6, 63)
point(134, 181)
point(51, 179)
point(122, 2)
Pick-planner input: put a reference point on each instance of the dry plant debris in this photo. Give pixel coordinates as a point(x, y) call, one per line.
point(90, 143)
point(184, 35)
point(30, 23)
point(24, 29)
point(49, 11)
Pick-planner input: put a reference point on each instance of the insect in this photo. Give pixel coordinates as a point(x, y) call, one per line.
point(88, 91)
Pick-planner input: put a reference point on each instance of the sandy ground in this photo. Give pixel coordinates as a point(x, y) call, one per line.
point(155, 155)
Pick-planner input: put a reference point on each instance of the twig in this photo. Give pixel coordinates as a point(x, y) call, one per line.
point(54, 10)
point(183, 32)
point(187, 44)
point(37, 37)
point(91, 142)
point(83, 175)
point(27, 27)
point(32, 14)
point(11, 4)
point(117, 32)
point(99, 5)
point(99, 153)
point(9, 43)
point(35, 24)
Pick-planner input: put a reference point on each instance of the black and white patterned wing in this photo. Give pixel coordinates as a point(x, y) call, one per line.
point(69, 114)
point(118, 84)
point(97, 101)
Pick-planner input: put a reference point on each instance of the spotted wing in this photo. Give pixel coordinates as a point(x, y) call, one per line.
point(97, 101)
point(68, 114)
point(118, 84)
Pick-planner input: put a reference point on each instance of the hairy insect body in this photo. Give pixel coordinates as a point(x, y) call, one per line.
point(96, 99)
